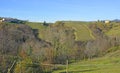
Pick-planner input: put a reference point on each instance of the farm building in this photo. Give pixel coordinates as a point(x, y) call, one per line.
point(106, 21)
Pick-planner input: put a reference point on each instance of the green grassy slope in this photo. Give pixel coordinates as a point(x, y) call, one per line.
point(99, 65)
point(82, 32)
point(35, 25)
point(110, 63)
point(115, 31)
point(38, 26)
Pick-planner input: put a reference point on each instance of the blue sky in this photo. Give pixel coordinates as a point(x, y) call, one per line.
point(53, 10)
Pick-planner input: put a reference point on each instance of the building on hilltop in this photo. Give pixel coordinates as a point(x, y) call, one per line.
point(106, 21)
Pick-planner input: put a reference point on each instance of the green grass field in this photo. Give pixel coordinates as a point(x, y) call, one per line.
point(82, 32)
point(99, 65)
point(39, 27)
point(115, 31)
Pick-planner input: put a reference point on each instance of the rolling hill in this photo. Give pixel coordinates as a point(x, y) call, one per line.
point(89, 47)
point(82, 31)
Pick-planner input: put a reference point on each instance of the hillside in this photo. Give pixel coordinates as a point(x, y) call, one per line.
point(89, 47)
point(82, 32)
point(115, 31)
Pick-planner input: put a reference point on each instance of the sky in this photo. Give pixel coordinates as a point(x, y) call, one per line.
point(54, 10)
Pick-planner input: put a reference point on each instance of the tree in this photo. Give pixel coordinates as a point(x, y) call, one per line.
point(45, 24)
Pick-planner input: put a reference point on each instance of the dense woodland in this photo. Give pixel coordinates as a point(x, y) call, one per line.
point(32, 47)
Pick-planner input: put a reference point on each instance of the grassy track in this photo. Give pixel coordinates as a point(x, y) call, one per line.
point(90, 32)
point(82, 32)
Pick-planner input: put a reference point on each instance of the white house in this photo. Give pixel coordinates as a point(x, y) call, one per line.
point(107, 21)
